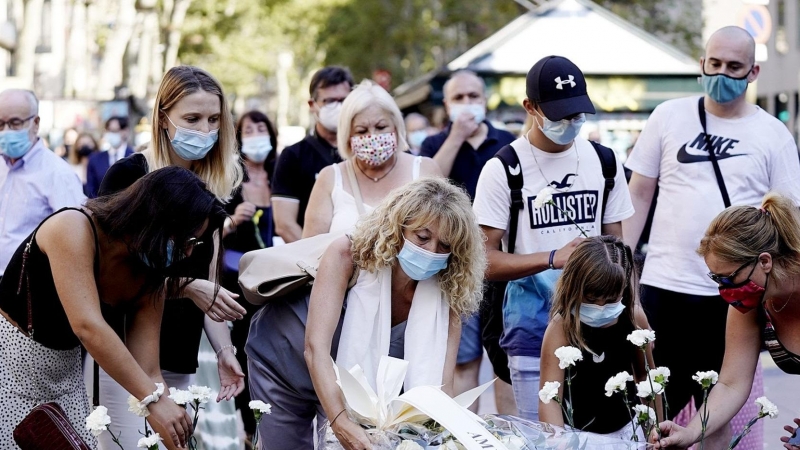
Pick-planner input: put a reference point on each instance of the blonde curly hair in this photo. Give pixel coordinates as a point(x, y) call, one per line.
point(378, 237)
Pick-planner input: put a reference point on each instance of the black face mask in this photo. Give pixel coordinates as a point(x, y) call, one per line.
point(85, 151)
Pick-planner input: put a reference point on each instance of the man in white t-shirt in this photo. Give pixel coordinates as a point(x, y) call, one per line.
point(551, 155)
point(756, 154)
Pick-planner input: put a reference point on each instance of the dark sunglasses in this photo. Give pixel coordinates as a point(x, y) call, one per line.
point(727, 280)
point(192, 243)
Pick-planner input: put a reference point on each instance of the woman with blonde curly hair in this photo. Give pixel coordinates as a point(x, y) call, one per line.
point(418, 262)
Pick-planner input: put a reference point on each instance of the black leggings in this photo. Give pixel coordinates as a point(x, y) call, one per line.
point(690, 336)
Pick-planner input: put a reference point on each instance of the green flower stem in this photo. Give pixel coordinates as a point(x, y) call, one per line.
point(628, 405)
point(115, 438)
point(704, 418)
point(255, 435)
point(569, 217)
point(654, 405)
point(736, 439)
point(570, 415)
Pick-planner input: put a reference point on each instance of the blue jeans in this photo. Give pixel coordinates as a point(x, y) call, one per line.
point(470, 348)
point(525, 383)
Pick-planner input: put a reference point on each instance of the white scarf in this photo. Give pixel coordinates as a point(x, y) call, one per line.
point(366, 331)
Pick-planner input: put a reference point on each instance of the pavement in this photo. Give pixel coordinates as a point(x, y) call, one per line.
point(781, 388)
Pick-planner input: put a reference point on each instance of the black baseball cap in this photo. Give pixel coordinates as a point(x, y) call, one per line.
point(557, 85)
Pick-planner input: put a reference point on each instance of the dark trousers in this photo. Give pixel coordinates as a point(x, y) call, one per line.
point(690, 337)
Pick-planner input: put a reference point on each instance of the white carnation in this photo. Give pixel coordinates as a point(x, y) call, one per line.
point(98, 421)
point(180, 397)
point(200, 394)
point(706, 379)
point(258, 405)
point(618, 383)
point(408, 445)
point(660, 375)
point(641, 337)
point(149, 441)
point(136, 407)
point(568, 356)
point(767, 407)
point(549, 391)
point(644, 414)
point(646, 390)
point(544, 196)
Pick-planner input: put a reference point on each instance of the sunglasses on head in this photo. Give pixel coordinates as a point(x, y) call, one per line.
point(727, 280)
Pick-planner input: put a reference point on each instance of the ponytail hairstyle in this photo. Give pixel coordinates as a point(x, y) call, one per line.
point(740, 233)
point(600, 268)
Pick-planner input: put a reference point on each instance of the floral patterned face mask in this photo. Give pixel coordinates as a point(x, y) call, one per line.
point(374, 149)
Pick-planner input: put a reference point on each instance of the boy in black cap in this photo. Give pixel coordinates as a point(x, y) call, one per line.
point(550, 156)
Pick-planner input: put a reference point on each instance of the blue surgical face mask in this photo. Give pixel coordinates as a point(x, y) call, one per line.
point(192, 145)
point(170, 252)
point(723, 88)
point(415, 138)
point(597, 316)
point(15, 143)
point(561, 132)
point(420, 264)
point(478, 110)
point(256, 148)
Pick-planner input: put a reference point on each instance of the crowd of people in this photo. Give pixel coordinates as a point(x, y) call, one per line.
point(447, 245)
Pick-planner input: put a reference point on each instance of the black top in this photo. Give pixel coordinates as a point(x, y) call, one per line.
point(50, 324)
point(182, 323)
point(469, 161)
point(593, 411)
point(297, 169)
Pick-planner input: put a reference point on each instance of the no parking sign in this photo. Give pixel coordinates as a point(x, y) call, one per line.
point(757, 21)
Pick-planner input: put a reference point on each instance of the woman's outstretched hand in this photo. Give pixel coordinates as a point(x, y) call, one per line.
point(673, 436)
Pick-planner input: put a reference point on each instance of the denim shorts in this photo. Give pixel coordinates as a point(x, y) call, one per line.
point(525, 377)
point(470, 347)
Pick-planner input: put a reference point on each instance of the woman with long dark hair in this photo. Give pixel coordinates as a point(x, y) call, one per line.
point(97, 276)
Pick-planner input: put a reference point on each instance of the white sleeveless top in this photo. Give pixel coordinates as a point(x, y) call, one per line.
point(345, 212)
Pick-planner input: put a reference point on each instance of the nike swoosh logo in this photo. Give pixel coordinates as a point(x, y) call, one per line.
point(514, 170)
point(685, 157)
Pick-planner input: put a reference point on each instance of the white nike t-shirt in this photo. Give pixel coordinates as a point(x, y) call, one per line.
point(756, 154)
point(548, 228)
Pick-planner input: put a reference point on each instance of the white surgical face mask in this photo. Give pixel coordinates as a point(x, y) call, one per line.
point(329, 116)
point(561, 132)
point(478, 110)
point(256, 148)
point(113, 139)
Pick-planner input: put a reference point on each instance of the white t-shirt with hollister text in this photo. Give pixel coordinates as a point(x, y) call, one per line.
point(756, 154)
point(548, 228)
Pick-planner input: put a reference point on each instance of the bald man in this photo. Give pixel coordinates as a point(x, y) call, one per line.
point(34, 182)
point(756, 154)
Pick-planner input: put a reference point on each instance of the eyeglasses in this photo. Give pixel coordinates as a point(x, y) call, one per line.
point(727, 280)
point(329, 101)
point(15, 123)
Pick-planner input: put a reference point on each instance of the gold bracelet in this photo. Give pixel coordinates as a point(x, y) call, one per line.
point(337, 416)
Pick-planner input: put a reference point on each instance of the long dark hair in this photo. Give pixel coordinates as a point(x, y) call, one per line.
point(258, 117)
point(169, 204)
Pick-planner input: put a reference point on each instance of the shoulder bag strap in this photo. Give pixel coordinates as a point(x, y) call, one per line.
point(351, 175)
point(511, 164)
point(608, 161)
point(701, 110)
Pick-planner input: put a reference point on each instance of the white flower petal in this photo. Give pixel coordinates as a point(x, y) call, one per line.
point(641, 337)
point(767, 407)
point(568, 356)
point(549, 391)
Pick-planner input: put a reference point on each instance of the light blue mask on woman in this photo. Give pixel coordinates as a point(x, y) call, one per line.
point(15, 143)
point(564, 131)
point(597, 316)
point(420, 264)
point(192, 145)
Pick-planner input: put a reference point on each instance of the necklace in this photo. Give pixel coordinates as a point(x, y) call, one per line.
point(376, 179)
point(564, 185)
point(784, 303)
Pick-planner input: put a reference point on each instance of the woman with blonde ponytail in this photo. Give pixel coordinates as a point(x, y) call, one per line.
point(754, 256)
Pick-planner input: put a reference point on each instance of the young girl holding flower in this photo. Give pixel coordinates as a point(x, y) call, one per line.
point(594, 309)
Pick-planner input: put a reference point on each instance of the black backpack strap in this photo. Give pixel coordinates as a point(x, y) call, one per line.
point(701, 111)
point(508, 156)
point(608, 161)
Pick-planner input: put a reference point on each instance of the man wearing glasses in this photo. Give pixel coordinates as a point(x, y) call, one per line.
point(755, 154)
point(34, 182)
point(299, 164)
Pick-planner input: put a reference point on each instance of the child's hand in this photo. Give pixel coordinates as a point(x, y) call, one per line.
point(563, 254)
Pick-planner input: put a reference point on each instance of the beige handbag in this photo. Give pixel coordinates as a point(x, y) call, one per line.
point(273, 272)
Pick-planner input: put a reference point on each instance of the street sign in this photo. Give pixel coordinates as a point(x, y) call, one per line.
point(757, 21)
